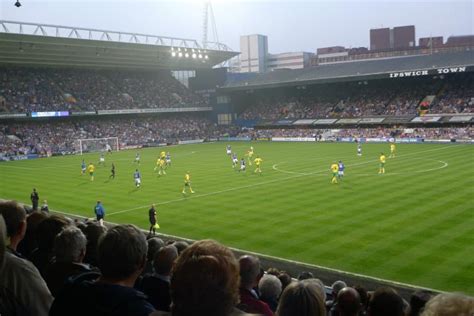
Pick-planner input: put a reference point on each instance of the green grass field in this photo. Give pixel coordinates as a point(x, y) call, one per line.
point(415, 224)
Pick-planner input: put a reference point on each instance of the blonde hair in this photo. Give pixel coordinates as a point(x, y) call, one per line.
point(449, 304)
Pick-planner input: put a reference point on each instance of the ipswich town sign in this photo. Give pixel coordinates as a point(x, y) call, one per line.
point(427, 72)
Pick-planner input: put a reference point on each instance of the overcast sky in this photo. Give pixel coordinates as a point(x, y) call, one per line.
point(290, 25)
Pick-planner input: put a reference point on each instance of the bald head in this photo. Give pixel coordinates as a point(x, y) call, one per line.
point(249, 271)
point(348, 302)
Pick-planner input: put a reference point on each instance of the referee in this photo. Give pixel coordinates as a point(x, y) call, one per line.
point(152, 218)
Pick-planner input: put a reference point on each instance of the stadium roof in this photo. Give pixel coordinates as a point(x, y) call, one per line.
point(412, 66)
point(53, 45)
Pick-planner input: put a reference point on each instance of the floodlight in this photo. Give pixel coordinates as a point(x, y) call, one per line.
point(173, 54)
point(186, 55)
point(180, 54)
point(200, 56)
point(194, 55)
point(206, 57)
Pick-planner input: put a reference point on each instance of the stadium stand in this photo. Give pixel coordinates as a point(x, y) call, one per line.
point(60, 136)
point(354, 70)
point(219, 262)
point(358, 99)
point(25, 90)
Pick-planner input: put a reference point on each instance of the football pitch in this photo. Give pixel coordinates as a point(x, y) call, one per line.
point(414, 224)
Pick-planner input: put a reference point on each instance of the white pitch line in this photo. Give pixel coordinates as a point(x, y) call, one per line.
point(263, 183)
point(261, 255)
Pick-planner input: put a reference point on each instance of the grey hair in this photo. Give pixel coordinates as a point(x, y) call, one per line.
point(320, 286)
point(69, 244)
point(337, 286)
point(269, 286)
point(449, 304)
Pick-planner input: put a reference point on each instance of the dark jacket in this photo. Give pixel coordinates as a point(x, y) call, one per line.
point(100, 299)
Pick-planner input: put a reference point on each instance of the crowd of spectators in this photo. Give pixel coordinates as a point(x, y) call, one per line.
point(450, 96)
point(46, 270)
point(24, 90)
point(459, 133)
point(62, 136)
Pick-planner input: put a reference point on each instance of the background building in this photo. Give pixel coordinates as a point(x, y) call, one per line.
point(253, 53)
point(395, 38)
point(255, 58)
point(296, 60)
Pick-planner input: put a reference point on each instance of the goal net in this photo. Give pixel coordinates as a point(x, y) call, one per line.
point(97, 145)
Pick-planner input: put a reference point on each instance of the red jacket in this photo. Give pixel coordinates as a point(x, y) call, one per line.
point(250, 304)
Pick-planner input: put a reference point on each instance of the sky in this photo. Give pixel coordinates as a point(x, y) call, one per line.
point(290, 25)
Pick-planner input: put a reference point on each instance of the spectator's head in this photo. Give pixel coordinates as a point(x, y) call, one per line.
point(15, 220)
point(269, 287)
point(302, 298)
point(449, 304)
point(154, 245)
point(304, 275)
point(3, 237)
point(364, 296)
point(70, 245)
point(285, 279)
point(249, 271)
point(164, 260)
point(386, 302)
point(93, 232)
point(181, 246)
point(122, 254)
point(418, 301)
point(48, 230)
point(348, 302)
point(273, 271)
point(205, 280)
point(336, 287)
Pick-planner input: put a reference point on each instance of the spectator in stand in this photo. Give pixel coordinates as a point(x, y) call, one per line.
point(335, 288)
point(69, 251)
point(45, 207)
point(30, 241)
point(269, 288)
point(249, 278)
point(122, 257)
point(181, 245)
point(285, 280)
point(3, 240)
point(386, 302)
point(93, 232)
point(157, 285)
point(418, 301)
point(22, 289)
point(46, 233)
point(348, 302)
point(15, 219)
point(34, 199)
point(364, 299)
point(304, 275)
point(205, 281)
point(449, 304)
point(154, 245)
point(302, 298)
